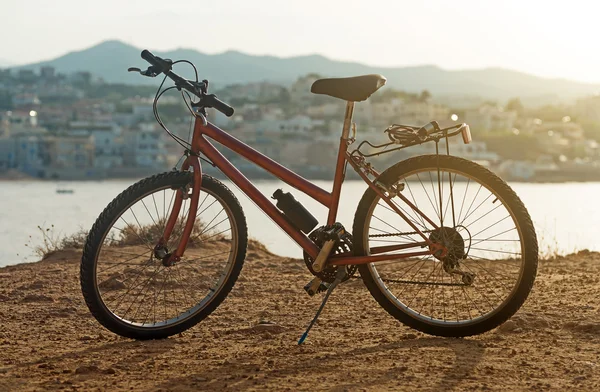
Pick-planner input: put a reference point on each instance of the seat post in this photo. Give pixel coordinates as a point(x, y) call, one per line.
point(348, 119)
point(341, 164)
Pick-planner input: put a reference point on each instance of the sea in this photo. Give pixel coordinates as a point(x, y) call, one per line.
point(566, 215)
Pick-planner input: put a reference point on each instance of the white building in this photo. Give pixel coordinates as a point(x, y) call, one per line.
point(144, 147)
point(490, 118)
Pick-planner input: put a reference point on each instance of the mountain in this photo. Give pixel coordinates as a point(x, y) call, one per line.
point(110, 60)
point(5, 63)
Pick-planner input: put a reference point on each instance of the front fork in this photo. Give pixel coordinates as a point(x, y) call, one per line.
point(160, 250)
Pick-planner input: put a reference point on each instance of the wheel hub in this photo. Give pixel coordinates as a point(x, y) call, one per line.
point(451, 239)
point(162, 253)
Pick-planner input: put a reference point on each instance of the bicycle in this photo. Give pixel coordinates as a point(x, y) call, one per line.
point(167, 251)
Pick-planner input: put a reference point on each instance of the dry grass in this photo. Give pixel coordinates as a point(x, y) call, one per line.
point(54, 241)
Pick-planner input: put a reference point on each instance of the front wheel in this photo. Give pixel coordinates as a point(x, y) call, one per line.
point(492, 256)
point(124, 281)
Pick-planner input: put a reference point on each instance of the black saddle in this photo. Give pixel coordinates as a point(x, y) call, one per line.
point(354, 89)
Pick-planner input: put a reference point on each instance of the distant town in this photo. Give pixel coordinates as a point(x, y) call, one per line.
point(75, 127)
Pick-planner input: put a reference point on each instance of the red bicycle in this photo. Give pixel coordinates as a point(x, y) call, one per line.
point(443, 244)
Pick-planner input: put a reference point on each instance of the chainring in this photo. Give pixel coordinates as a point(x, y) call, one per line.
point(342, 247)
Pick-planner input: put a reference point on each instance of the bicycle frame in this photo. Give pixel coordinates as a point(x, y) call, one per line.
point(200, 144)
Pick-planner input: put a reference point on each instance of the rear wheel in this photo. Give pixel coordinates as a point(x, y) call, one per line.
point(492, 247)
point(128, 288)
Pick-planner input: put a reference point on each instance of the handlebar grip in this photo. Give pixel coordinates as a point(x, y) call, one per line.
point(149, 57)
point(220, 105)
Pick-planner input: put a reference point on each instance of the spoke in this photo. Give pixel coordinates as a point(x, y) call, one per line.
point(207, 207)
point(471, 205)
point(503, 262)
point(415, 203)
point(155, 208)
point(148, 211)
point(403, 261)
point(478, 265)
point(413, 276)
point(476, 208)
point(470, 301)
point(140, 226)
point(492, 225)
point(139, 271)
point(483, 216)
point(133, 318)
point(451, 198)
point(126, 262)
point(207, 229)
point(479, 240)
point(201, 204)
point(136, 296)
point(175, 301)
point(439, 212)
point(427, 194)
point(166, 219)
point(454, 296)
point(212, 236)
point(136, 233)
point(464, 198)
point(111, 249)
point(203, 258)
point(490, 287)
point(433, 292)
point(498, 251)
point(410, 217)
point(421, 286)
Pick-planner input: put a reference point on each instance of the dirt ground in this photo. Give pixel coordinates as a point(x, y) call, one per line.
point(49, 341)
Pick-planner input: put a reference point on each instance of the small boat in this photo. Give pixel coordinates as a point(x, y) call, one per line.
point(61, 188)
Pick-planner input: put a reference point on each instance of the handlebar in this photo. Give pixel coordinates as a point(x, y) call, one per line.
point(165, 66)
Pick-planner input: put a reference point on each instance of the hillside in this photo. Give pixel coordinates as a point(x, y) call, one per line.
point(50, 341)
point(110, 60)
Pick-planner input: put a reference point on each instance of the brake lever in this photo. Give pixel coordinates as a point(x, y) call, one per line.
point(150, 72)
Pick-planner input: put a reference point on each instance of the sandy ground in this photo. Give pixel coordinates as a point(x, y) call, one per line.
point(48, 340)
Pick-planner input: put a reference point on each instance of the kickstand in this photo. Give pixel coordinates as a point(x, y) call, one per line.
point(341, 273)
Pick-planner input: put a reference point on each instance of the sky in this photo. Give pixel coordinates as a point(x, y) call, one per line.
point(546, 38)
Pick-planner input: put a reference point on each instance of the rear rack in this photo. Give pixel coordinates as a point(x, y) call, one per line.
point(408, 135)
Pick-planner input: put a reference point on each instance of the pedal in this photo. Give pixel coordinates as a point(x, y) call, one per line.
point(312, 287)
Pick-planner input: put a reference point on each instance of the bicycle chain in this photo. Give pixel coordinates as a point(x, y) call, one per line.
point(415, 282)
point(398, 234)
point(408, 281)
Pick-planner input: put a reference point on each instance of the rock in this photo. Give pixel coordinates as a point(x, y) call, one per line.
point(86, 369)
point(85, 338)
point(268, 326)
point(37, 298)
point(593, 328)
point(38, 284)
point(508, 326)
point(112, 284)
